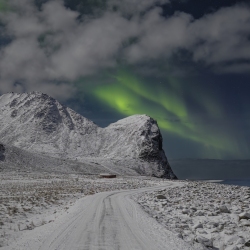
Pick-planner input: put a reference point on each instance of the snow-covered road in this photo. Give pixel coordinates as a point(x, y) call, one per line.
point(104, 221)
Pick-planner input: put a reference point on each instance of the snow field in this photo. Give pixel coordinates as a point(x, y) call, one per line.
point(30, 200)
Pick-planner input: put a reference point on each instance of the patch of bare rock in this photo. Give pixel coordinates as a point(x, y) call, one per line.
point(206, 215)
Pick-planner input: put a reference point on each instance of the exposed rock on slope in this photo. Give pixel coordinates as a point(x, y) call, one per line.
point(2, 150)
point(38, 123)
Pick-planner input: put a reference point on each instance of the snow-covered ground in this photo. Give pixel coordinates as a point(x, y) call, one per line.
point(31, 200)
point(206, 215)
point(46, 212)
point(72, 211)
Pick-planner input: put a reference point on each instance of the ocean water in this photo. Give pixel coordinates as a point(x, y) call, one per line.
point(234, 172)
point(236, 182)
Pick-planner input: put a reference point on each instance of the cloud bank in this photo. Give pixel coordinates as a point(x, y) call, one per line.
point(53, 46)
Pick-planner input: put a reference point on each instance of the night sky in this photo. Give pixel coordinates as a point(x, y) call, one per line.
point(184, 63)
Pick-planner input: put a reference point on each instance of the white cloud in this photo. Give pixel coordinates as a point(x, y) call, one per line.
point(92, 46)
point(160, 37)
point(222, 36)
point(51, 46)
point(215, 39)
point(57, 18)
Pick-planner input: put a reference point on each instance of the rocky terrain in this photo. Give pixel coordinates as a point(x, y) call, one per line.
point(31, 200)
point(206, 215)
point(35, 123)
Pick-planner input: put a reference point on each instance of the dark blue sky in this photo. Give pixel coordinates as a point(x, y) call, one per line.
point(185, 63)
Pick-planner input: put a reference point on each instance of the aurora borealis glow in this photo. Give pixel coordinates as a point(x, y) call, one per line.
point(128, 95)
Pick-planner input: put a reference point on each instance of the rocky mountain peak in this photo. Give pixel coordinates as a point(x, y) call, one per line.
point(38, 123)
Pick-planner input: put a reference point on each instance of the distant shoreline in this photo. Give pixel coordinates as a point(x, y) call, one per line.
point(211, 169)
point(237, 182)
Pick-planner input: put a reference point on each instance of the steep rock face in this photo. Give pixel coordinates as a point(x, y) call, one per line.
point(40, 124)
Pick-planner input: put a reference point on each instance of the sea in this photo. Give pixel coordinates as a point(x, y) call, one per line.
point(236, 182)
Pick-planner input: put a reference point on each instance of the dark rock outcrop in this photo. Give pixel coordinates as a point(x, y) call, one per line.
point(2, 150)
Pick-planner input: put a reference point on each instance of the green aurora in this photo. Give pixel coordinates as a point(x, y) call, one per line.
point(129, 95)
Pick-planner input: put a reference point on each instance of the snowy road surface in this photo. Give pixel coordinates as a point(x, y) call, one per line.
point(104, 221)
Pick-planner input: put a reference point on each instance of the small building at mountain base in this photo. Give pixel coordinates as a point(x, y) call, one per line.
point(107, 176)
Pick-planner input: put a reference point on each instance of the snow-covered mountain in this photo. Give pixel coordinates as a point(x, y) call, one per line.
point(37, 123)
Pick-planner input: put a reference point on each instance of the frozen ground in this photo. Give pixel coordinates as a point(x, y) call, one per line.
point(31, 200)
point(206, 215)
point(71, 211)
point(41, 211)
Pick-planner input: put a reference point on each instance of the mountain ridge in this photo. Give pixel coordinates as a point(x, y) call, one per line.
point(38, 123)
